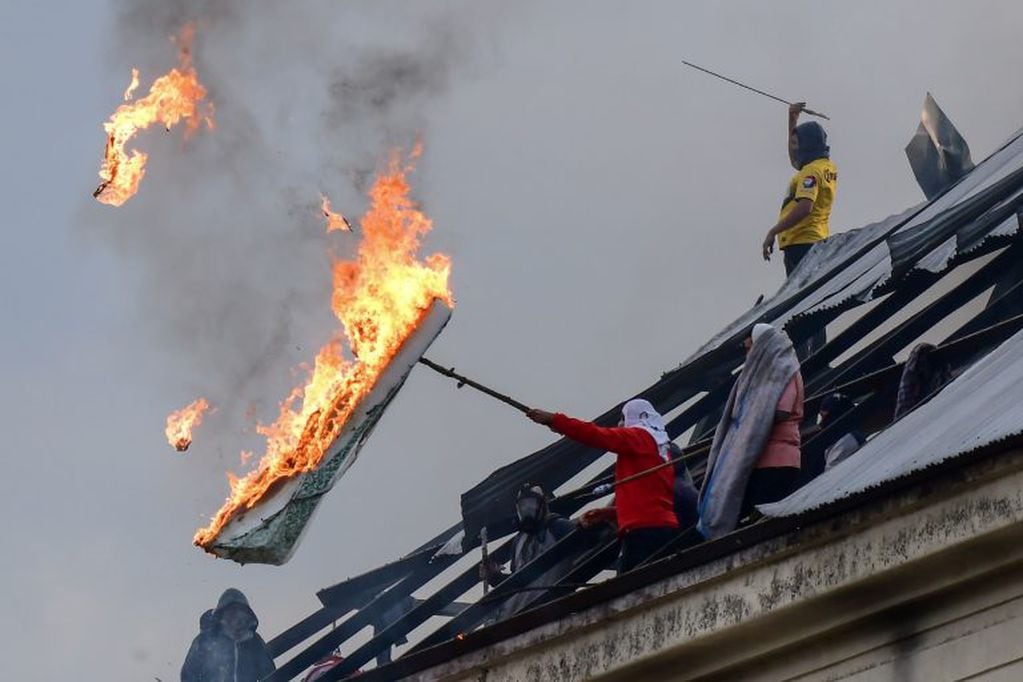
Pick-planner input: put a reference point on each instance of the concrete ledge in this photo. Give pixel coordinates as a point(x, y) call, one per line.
point(731, 611)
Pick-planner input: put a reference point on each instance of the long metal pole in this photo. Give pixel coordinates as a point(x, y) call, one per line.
point(809, 112)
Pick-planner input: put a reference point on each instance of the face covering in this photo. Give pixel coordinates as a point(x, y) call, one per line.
point(528, 511)
point(238, 624)
point(641, 414)
point(813, 143)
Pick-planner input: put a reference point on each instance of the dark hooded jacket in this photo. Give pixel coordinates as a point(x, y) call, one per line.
point(216, 657)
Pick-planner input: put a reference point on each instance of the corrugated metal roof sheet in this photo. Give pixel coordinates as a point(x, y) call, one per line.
point(982, 406)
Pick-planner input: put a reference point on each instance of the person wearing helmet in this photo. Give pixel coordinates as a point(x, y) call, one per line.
point(538, 530)
point(644, 506)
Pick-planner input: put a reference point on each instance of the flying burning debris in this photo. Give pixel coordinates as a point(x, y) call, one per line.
point(173, 97)
point(335, 221)
point(181, 423)
point(391, 305)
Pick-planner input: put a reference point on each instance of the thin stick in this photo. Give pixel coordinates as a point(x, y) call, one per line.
point(809, 112)
point(465, 381)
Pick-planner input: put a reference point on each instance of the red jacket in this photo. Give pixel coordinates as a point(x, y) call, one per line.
point(647, 502)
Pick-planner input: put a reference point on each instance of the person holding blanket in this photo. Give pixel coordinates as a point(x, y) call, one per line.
point(755, 456)
point(644, 506)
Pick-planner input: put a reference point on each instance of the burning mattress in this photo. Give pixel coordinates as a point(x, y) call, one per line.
point(269, 532)
point(391, 305)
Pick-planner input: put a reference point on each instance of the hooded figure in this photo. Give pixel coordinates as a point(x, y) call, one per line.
point(228, 649)
point(751, 434)
point(811, 144)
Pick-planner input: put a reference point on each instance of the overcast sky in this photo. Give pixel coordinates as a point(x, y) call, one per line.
point(603, 205)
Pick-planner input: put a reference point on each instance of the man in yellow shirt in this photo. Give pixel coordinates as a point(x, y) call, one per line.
point(807, 207)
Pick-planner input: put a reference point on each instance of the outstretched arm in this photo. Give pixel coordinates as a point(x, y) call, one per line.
point(616, 440)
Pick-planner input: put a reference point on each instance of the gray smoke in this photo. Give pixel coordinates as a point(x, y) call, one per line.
point(226, 231)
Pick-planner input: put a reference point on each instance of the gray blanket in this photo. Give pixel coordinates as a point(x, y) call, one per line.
point(743, 431)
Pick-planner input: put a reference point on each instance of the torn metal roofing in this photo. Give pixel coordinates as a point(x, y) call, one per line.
point(981, 407)
point(938, 154)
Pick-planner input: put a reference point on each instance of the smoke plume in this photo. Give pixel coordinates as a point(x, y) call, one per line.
point(226, 234)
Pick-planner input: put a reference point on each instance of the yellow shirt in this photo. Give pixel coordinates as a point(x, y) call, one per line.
point(817, 182)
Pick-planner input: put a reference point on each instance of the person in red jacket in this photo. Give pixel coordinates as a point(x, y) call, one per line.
point(645, 506)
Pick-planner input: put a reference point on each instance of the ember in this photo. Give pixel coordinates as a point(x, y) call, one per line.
point(335, 221)
point(380, 298)
point(181, 423)
point(173, 97)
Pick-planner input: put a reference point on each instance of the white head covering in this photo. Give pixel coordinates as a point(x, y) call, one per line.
point(641, 414)
point(759, 329)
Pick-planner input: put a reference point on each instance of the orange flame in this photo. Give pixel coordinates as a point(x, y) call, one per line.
point(181, 423)
point(130, 90)
point(379, 298)
point(335, 221)
point(173, 97)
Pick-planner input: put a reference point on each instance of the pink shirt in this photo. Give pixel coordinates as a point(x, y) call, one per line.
point(782, 449)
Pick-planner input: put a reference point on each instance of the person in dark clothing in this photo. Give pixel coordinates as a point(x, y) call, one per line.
point(922, 376)
point(539, 530)
point(833, 407)
point(228, 648)
point(202, 646)
point(687, 497)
